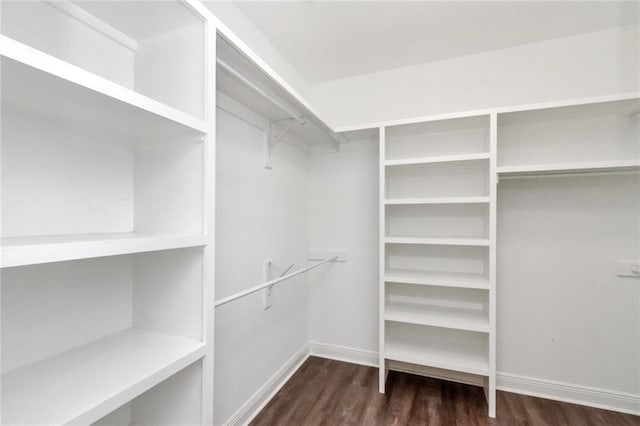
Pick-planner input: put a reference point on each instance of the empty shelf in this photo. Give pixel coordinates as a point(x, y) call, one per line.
point(21, 251)
point(438, 316)
point(567, 168)
point(438, 358)
point(84, 384)
point(436, 200)
point(464, 356)
point(438, 159)
point(459, 280)
point(43, 85)
point(438, 241)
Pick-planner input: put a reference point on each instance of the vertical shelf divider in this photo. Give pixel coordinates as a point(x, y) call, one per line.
point(382, 375)
point(208, 327)
point(493, 195)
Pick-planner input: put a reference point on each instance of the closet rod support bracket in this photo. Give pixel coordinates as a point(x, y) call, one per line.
point(270, 140)
point(267, 296)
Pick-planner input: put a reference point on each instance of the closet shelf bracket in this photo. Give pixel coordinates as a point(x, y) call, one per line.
point(270, 140)
point(337, 139)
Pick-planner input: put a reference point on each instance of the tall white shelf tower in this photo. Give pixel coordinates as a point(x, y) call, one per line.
point(438, 251)
point(107, 198)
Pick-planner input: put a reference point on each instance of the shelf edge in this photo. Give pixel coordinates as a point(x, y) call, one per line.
point(433, 282)
point(436, 200)
point(53, 66)
point(36, 254)
point(569, 168)
point(484, 328)
point(441, 365)
point(437, 160)
point(480, 242)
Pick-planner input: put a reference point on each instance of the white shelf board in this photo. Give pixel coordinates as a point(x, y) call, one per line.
point(437, 316)
point(486, 111)
point(22, 251)
point(436, 200)
point(231, 40)
point(439, 279)
point(82, 385)
point(44, 85)
point(315, 132)
point(438, 241)
point(566, 168)
point(438, 159)
point(437, 358)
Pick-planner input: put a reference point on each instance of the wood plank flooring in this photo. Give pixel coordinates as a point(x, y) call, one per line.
point(326, 392)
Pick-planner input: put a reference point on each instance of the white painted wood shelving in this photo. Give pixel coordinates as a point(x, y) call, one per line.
point(242, 83)
point(438, 199)
point(106, 213)
point(437, 259)
point(595, 136)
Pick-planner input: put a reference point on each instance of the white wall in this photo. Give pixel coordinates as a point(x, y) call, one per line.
point(591, 64)
point(259, 214)
point(563, 314)
point(343, 215)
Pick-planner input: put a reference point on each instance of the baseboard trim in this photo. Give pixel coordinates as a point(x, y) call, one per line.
point(541, 388)
point(344, 353)
point(566, 392)
point(261, 398)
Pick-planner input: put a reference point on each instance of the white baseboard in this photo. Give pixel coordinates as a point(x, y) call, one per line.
point(566, 392)
point(541, 388)
point(259, 400)
point(343, 353)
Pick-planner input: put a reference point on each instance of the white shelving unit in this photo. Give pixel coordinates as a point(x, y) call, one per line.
point(107, 241)
point(437, 289)
point(595, 136)
point(445, 307)
point(438, 209)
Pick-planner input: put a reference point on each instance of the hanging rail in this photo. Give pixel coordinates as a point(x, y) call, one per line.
point(303, 121)
point(338, 139)
point(272, 282)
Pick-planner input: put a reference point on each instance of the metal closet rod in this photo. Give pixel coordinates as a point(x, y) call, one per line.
point(300, 119)
point(303, 121)
point(272, 282)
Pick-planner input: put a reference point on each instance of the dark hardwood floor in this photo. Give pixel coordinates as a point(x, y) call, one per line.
point(326, 392)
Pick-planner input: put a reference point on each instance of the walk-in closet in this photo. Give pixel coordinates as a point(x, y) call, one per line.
point(305, 213)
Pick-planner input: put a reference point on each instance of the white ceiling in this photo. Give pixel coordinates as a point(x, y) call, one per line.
point(328, 40)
